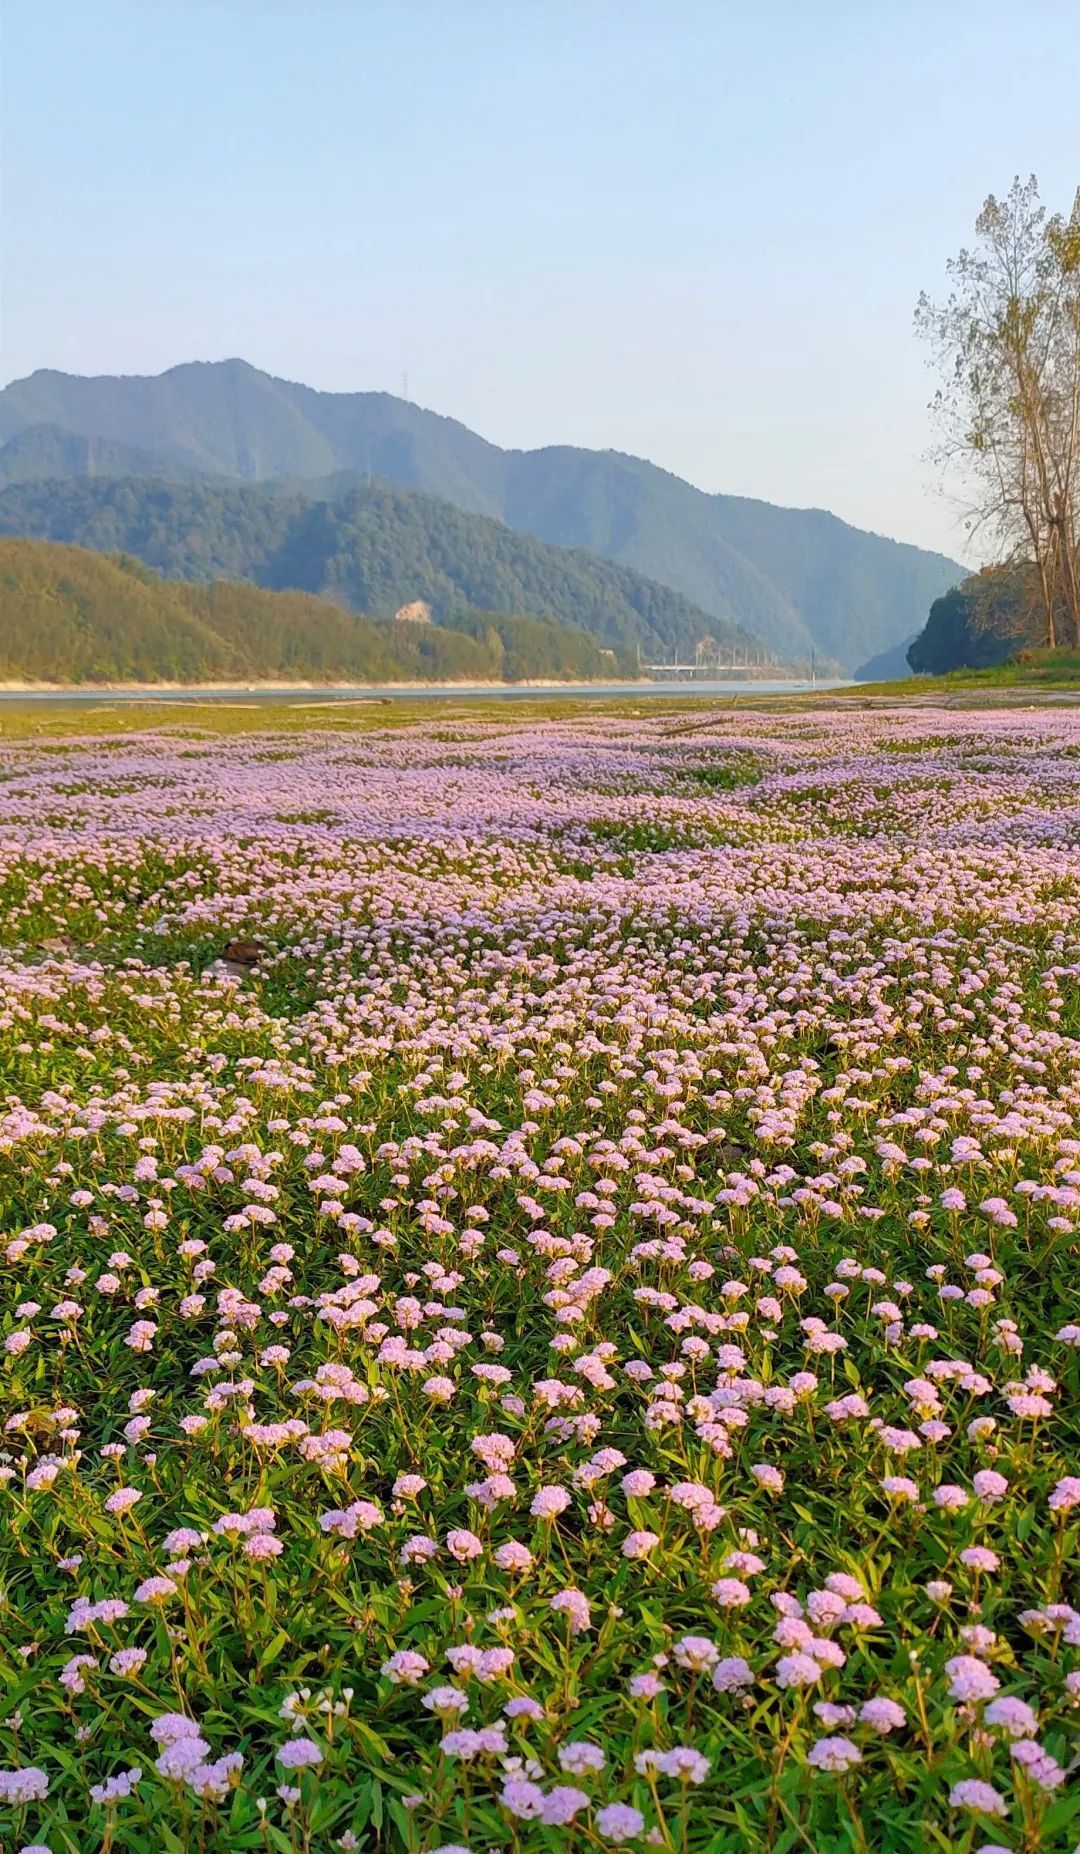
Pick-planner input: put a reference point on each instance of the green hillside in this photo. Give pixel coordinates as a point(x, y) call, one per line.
point(68, 616)
point(71, 616)
point(374, 549)
point(798, 579)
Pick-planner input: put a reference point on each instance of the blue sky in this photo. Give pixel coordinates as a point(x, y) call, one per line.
point(688, 229)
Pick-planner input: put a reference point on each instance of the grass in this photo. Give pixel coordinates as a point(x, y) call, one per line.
point(1035, 670)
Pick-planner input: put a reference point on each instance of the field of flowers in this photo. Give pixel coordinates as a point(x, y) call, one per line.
point(538, 1303)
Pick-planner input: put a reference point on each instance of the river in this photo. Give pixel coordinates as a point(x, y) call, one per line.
point(411, 692)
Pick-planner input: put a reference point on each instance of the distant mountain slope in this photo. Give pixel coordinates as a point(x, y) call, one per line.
point(795, 578)
point(375, 548)
point(888, 666)
point(68, 615)
point(858, 593)
point(41, 452)
point(226, 418)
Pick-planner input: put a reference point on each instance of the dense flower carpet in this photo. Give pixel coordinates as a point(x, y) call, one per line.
point(538, 1303)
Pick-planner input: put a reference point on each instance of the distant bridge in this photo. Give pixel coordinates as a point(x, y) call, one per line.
point(711, 669)
point(708, 663)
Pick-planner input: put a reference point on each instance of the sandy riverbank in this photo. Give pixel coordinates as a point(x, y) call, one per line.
point(282, 688)
point(153, 691)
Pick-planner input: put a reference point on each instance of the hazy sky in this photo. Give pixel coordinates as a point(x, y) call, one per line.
point(693, 231)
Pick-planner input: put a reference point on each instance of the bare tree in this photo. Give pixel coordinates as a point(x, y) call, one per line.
point(1007, 342)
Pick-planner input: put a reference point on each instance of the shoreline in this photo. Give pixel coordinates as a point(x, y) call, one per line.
point(188, 689)
point(260, 688)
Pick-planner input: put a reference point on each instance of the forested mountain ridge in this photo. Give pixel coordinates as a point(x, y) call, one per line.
point(796, 578)
point(68, 615)
point(41, 452)
point(375, 548)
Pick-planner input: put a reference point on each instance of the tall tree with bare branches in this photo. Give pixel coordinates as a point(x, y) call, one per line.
point(1006, 340)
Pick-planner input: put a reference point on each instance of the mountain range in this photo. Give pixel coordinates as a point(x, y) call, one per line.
point(797, 579)
point(372, 549)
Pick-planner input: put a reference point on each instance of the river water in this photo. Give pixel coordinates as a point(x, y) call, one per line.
point(538, 692)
